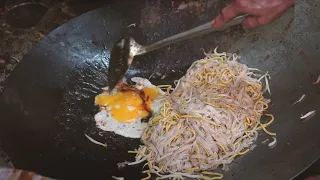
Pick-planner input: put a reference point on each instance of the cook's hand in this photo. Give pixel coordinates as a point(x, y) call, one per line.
point(261, 12)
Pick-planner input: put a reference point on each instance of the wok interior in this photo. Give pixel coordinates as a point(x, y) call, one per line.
point(50, 106)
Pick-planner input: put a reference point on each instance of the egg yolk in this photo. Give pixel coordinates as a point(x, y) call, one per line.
point(128, 106)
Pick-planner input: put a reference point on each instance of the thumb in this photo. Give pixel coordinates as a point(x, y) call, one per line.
point(227, 14)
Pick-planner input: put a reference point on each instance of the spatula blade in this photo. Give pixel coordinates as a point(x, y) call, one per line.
point(119, 62)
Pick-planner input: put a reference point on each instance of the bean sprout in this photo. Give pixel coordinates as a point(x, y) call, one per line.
point(95, 141)
point(302, 97)
point(273, 143)
point(317, 81)
point(311, 113)
point(117, 178)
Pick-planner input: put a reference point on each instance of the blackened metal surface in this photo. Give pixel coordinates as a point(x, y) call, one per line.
point(47, 103)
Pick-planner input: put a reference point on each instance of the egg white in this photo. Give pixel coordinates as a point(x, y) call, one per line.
point(106, 122)
point(157, 103)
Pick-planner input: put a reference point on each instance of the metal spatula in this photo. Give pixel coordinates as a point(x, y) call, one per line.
point(125, 49)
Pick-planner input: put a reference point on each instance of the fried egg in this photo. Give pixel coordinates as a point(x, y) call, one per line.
point(123, 109)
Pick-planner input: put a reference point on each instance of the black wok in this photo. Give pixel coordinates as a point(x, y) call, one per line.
point(47, 103)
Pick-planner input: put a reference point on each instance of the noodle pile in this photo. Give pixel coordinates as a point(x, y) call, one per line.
point(209, 118)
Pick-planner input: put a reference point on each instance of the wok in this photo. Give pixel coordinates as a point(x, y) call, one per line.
point(47, 103)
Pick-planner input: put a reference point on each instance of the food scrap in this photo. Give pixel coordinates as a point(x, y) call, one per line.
point(132, 25)
point(265, 141)
point(309, 114)
point(317, 81)
point(302, 97)
point(117, 178)
point(273, 143)
point(95, 142)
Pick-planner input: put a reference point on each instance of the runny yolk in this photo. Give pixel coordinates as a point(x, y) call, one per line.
point(128, 106)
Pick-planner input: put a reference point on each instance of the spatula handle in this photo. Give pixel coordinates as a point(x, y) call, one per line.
point(197, 31)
